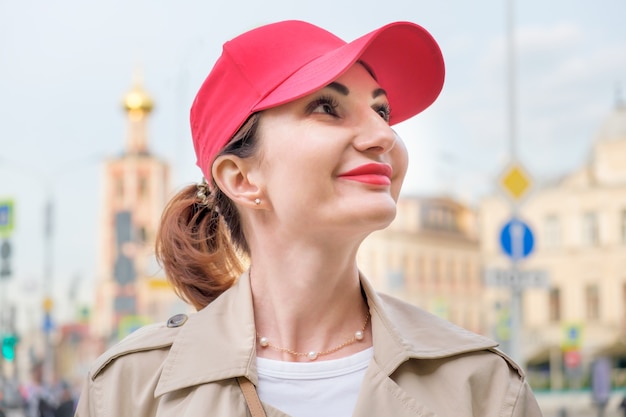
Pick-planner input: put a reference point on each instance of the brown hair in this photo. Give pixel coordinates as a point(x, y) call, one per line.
point(201, 245)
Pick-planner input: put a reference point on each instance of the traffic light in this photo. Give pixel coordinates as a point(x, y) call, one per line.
point(8, 346)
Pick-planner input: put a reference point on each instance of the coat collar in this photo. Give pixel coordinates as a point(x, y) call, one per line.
point(402, 331)
point(219, 341)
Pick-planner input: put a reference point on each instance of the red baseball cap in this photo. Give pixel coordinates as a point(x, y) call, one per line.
point(281, 62)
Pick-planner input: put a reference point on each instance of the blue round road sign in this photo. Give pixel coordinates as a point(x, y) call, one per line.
point(517, 239)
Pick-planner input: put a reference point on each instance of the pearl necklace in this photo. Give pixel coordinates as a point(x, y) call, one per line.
point(313, 354)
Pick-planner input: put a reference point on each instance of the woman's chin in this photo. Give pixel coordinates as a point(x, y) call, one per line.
point(377, 215)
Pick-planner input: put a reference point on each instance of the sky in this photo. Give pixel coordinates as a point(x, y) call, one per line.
point(65, 66)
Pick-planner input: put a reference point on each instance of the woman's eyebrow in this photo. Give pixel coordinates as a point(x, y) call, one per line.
point(379, 92)
point(340, 88)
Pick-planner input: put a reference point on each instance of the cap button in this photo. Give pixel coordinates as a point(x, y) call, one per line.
point(177, 320)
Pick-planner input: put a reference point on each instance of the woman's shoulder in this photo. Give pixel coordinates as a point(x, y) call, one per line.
point(156, 337)
point(125, 376)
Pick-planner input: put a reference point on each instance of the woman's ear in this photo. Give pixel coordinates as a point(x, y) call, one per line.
point(231, 176)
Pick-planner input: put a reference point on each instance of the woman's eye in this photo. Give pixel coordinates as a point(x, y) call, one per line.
point(325, 108)
point(326, 105)
point(384, 111)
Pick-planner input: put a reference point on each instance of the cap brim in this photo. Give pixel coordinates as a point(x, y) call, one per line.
point(405, 59)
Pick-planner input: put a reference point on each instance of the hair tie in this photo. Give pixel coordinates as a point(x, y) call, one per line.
point(202, 195)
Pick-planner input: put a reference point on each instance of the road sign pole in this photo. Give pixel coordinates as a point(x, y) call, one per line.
point(517, 249)
point(516, 314)
point(517, 241)
point(517, 245)
point(516, 237)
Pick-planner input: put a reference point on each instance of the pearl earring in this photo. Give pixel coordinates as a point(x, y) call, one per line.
point(257, 201)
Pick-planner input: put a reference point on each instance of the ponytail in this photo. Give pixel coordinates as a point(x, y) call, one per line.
point(200, 243)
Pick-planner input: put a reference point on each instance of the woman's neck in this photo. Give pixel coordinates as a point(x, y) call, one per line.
point(307, 299)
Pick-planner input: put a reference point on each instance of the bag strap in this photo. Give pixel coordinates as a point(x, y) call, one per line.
point(252, 399)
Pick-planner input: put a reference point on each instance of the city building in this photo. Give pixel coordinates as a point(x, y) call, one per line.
point(131, 289)
point(430, 256)
point(579, 229)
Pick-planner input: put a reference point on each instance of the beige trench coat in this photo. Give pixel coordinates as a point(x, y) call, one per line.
point(422, 366)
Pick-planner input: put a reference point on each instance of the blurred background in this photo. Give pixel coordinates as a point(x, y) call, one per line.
point(512, 222)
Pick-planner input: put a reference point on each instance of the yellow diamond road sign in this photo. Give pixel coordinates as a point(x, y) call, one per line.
point(515, 181)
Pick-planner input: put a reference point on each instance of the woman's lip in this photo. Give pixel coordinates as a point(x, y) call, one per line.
point(369, 169)
point(369, 179)
point(373, 173)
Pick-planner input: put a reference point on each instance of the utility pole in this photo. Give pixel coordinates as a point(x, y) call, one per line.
point(516, 237)
point(516, 293)
point(47, 304)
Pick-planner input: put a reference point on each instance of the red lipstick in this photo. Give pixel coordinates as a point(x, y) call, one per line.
point(373, 173)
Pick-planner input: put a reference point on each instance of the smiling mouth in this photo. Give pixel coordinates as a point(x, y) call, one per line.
point(373, 174)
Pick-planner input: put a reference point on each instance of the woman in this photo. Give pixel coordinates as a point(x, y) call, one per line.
point(292, 131)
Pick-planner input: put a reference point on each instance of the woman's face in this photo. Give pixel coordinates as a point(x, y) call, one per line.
point(331, 159)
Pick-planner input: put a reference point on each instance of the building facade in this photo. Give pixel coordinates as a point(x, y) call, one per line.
point(579, 225)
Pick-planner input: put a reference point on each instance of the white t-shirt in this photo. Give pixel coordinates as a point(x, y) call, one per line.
point(312, 389)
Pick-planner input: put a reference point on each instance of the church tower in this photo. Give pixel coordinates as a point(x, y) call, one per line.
point(609, 150)
point(131, 290)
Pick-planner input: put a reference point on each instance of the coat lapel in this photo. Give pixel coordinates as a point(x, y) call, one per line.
point(403, 332)
point(216, 343)
point(380, 396)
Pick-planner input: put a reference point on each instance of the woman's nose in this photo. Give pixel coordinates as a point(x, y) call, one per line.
point(375, 135)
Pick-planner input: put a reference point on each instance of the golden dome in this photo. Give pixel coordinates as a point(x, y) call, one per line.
point(138, 100)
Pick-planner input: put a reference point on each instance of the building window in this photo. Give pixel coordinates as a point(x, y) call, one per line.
point(143, 188)
point(143, 235)
point(437, 217)
point(421, 271)
point(119, 188)
point(452, 270)
point(462, 278)
point(436, 272)
point(590, 229)
point(592, 300)
point(554, 307)
point(624, 301)
point(623, 226)
point(448, 221)
point(552, 227)
point(466, 276)
point(475, 274)
point(410, 269)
